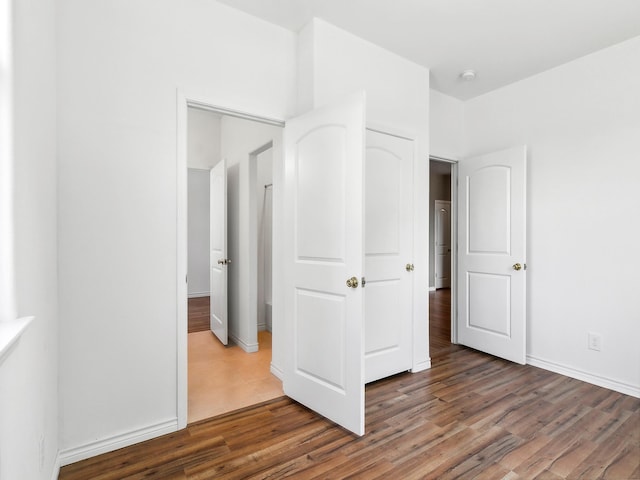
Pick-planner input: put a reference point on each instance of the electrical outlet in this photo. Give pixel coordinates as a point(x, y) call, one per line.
point(594, 341)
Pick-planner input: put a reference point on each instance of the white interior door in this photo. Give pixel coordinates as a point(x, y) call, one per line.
point(218, 250)
point(388, 251)
point(442, 235)
point(323, 226)
point(492, 253)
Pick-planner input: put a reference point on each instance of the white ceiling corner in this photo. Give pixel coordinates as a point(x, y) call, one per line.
point(502, 40)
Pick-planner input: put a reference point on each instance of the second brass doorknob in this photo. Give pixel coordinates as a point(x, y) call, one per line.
point(352, 282)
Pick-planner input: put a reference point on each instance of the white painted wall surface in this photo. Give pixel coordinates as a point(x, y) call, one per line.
point(120, 65)
point(581, 124)
point(29, 374)
point(446, 126)
point(198, 233)
point(203, 139)
point(334, 63)
point(264, 198)
point(240, 138)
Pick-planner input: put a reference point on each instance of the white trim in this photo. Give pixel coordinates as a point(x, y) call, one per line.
point(199, 294)
point(247, 347)
point(183, 101)
point(276, 371)
point(454, 242)
point(55, 471)
point(182, 318)
point(454, 252)
point(611, 384)
point(391, 131)
point(115, 442)
point(420, 366)
point(432, 289)
point(10, 333)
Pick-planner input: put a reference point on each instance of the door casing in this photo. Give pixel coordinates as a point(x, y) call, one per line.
point(454, 244)
point(183, 102)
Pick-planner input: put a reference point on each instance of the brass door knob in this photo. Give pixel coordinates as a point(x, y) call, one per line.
point(352, 282)
point(517, 266)
point(409, 267)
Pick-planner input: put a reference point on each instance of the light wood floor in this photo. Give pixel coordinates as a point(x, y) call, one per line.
point(222, 379)
point(471, 416)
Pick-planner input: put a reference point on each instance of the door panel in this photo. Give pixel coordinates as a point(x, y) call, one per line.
point(388, 249)
point(218, 250)
point(323, 227)
point(491, 240)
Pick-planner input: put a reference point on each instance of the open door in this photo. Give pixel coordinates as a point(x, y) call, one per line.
point(218, 260)
point(492, 253)
point(323, 227)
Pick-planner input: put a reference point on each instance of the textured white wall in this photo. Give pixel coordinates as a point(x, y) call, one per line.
point(446, 126)
point(334, 63)
point(581, 124)
point(120, 64)
point(29, 374)
point(264, 198)
point(203, 138)
point(198, 233)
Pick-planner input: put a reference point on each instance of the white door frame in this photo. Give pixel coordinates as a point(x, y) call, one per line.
point(183, 102)
point(454, 243)
point(253, 238)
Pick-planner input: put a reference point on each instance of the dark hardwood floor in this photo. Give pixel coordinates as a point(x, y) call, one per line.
point(470, 416)
point(198, 314)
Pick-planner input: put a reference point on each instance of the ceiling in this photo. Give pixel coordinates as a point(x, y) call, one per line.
point(502, 40)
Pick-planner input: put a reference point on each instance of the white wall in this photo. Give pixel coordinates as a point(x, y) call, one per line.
point(203, 139)
point(581, 124)
point(264, 198)
point(29, 374)
point(240, 138)
point(446, 126)
point(198, 233)
point(120, 66)
point(334, 63)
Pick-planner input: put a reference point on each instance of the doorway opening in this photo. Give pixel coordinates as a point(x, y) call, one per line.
point(222, 378)
point(442, 256)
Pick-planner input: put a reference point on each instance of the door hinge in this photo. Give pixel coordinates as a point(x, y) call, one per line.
point(186, 279)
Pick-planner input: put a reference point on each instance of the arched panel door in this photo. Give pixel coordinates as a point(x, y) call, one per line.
point(323, 226)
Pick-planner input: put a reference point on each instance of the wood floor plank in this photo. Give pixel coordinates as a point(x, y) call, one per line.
point(470, 416)
point(198, 314)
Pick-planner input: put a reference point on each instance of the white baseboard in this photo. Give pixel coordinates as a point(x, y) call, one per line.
point(110, 444)
point(432, 289)
point(609, 383)
point(262, 327)
point(247, 347)
point(198, 294)
point(420, 366)
point(55, 473)
point(275, 370)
